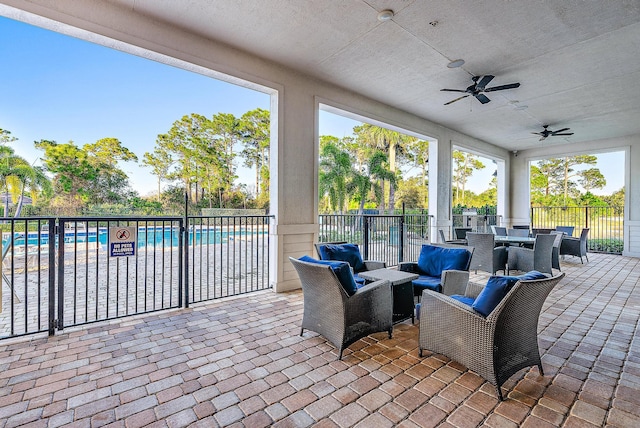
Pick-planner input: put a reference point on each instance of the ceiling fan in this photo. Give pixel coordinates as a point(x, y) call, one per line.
point(478, 87)
point(549, 133)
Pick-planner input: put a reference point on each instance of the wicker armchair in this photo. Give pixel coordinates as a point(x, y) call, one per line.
point(448, 281)
point(575, 246)
point(539, 258)
point(340, 318)
point(494, 347)
point(486, 256)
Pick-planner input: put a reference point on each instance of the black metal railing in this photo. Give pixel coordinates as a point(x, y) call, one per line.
point(388, 238)
point(64, 272)
point(606, 224)
point(110, 268)
point(27, 293)
point(229, 256)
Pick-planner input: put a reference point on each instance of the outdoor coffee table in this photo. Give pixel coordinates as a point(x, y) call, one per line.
point(403, 307)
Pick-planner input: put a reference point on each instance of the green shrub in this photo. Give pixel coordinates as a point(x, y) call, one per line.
point(613, 245)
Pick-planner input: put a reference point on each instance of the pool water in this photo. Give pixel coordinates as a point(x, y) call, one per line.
point(161, 236)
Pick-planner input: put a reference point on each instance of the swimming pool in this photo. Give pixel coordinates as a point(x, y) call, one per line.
point(147, 236)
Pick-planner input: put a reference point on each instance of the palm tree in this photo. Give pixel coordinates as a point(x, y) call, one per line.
point(335, 170)
point(388, 141)
point(12, 168)
point(379, 170)
point(371, 178)
point(32, 178)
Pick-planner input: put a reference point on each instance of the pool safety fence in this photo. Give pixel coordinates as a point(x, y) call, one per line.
point(63, 272)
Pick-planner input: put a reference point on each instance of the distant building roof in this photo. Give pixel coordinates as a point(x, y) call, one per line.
point(25, 199)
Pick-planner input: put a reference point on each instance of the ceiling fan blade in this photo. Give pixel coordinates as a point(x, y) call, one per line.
point(482, 98)
point(537, 133)
point(484, 81)
point(457, 99)
point(567, 133)
point(560, 130)
point(501, 87)
point(453, 90)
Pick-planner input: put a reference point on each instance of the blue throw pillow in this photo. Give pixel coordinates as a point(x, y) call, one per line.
point(433, 259)
point(497, 287)
point(349, 253)
point(342, 271)
point(531, 275)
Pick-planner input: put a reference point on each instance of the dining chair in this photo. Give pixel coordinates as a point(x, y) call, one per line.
point(461, 232)
point(576, 246)
point(444, 240)
point(557, 243)
point(539, 258)
point(486, 256)
point(566, 229)
point(499, 230)
point(518, 232)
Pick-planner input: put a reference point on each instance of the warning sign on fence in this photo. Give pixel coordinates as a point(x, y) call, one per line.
point(122, 241)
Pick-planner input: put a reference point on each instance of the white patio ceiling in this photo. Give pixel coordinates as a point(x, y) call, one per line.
point(577, 60)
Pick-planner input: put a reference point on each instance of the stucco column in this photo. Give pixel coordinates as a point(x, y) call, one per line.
point(294, 176)
point(519, 191)
point(440, 188)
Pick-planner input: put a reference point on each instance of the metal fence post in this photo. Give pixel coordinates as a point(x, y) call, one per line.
point(52, 275)
point(60, 233)
point(401, 237)
point(183, 245)
point(586, 217)
point(365, 236)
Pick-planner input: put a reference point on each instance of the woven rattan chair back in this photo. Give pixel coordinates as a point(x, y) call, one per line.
point(340, 318)
point(486, 256)
point(495, 347)
point(518, 232)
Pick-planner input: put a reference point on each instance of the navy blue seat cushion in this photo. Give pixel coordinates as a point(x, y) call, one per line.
point(349, 253)
point(464, 299)
point(433, 260)
point(497, 287)
point(342, 271)
point(430, 282)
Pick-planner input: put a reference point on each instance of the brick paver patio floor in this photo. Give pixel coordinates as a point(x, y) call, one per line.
point(241, 362)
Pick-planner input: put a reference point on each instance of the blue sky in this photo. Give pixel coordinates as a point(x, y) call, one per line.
point(56, 87)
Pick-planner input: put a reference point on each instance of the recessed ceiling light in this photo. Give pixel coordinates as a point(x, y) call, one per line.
point(456, 63)
point(385, 15)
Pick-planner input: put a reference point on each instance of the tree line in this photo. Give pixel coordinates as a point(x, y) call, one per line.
point(559, 182)
point(197, 155)
point(374, 168)
point(383, 170)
